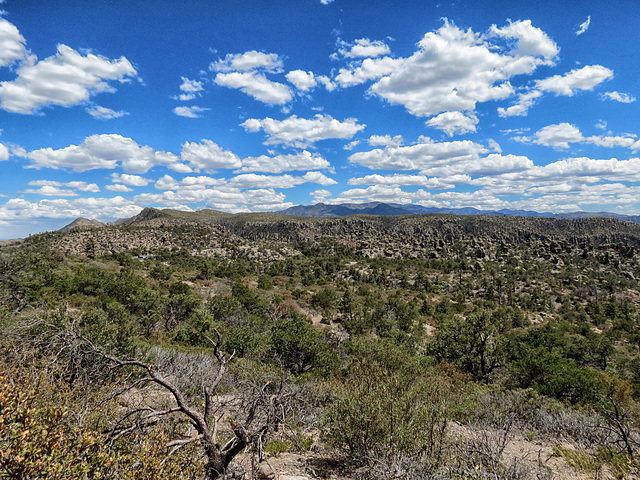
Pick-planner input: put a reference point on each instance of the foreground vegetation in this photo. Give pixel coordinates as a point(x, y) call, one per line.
point(367, 352)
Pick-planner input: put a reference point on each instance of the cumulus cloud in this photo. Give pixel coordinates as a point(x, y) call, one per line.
point(454, 69)
point(106, 208)
point(559, 135)
point(12, 44)
point(51, 191)
point(4, 152)
point(328, 84)
point(410, 180)
point(368, 69)
point(65, 79)
point(610, 141)
point(131, 180)
point(202, 180)
point(302, 80)
point(619, 97)
point(422, 155)
point(118, 187)
point(284, 163)
point(301, 132)
point(385, 140)
point(103, 113)
point(252, 180)
point(525, 101)
point(189, 112)
point(191, 86)
point(100, 152)
point(531, 42)
point(364, 48)
point(208, 155)
point(248, 61)
point(453, 123)
point(257, 86)
point(52, 188)
point(585, 78)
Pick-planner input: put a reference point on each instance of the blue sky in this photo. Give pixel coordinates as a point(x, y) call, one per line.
point(109, 107)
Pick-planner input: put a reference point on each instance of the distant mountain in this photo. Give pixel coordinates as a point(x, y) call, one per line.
point(378, 208)
point(157, 217)
point(82, 223)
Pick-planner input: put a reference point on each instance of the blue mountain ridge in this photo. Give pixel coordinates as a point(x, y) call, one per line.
point(378, 208)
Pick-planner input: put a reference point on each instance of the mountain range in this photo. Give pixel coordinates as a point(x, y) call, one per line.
point(379, 208)
point(322, 210)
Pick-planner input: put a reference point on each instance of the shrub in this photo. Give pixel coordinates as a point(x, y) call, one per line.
point(389, 406)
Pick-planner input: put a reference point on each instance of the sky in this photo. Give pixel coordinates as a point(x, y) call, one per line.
point(107, 107)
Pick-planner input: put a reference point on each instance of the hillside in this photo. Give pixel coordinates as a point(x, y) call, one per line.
point(420, 346)
point(374, 235)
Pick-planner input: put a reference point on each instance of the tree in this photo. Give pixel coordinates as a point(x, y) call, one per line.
point(255, 415)
point(297, 344)
point(469, 342)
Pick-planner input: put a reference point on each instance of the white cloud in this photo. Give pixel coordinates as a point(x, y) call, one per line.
point(4, 152)
point(252, 180)
point(202, 180)
point(103, 113)
point(326, 81)
point(423, 155)
point(525, 101)
point(11, 44)
point(119, 188)
point(364, 48)
point(100, 151)
point(495, 146)
point(453, 123)
point(385, 140)
point(66, 79)
point(284, 163)
point(492, 164)
point(131, 180)
point(368, 69)
point(248, 61)
point(559, 135)
point(410, 180)
point(208, 155)
point(77, 185)
point(585, 78)
point(302, 80)
point(584, 26)
point(531, 42)
point(610, 141)
point(454, 69)
point(319, 178)
point(619, 97)
point(326, 2)
point(167, 182)
point(301, 132)
point(377, 193)
point(351, 145)
point(106, 208)
point(257, 86)
point(189, 112)
point(51, 191)
point(191, 86)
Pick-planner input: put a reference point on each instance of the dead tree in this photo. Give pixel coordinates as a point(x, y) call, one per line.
point(259, 412)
